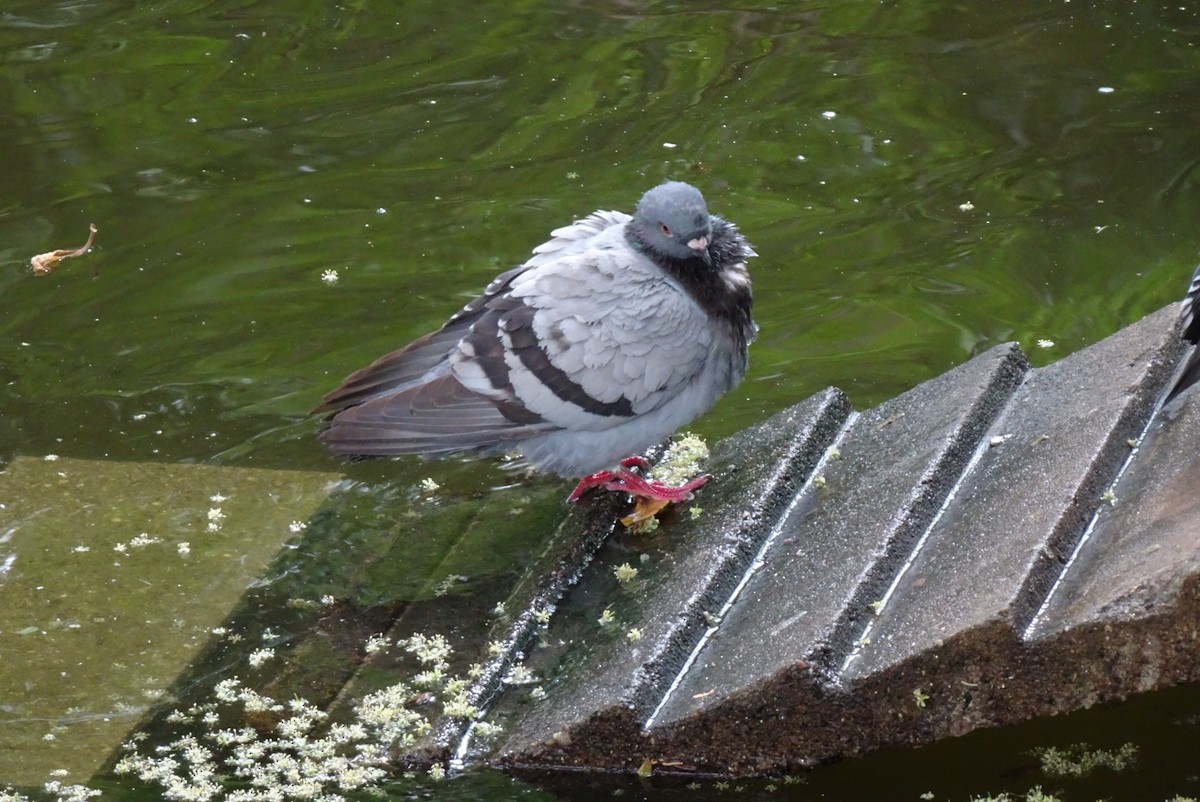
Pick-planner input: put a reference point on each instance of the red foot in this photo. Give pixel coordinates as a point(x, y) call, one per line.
point(625, 480)
point(604, 478)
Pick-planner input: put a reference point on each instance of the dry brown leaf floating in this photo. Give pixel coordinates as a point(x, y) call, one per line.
point(43, 263)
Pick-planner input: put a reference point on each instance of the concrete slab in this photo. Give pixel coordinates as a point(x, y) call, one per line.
point(608, 679)
point(1145, 543)
point(769, 691)
point(1003, 539)
point(840, 547)
point(112, 577)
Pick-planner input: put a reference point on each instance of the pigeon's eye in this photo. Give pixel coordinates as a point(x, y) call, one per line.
point(666, 231)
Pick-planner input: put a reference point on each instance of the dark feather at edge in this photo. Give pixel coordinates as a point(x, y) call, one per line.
point(1189, 322)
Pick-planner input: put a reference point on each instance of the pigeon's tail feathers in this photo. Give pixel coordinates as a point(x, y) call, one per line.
point(437, 417)
point(391, 372)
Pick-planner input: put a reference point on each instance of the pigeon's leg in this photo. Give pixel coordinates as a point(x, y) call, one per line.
point(608, 479)
point(624, 480)
point(636, 462)
point(630, 482)
point(598, 479)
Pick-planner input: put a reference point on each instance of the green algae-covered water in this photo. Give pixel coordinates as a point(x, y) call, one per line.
point(284, 191)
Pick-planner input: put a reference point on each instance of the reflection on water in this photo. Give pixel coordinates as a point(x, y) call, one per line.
point(922, 181)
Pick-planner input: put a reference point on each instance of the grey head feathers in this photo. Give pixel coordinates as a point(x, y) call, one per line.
point(672, 220)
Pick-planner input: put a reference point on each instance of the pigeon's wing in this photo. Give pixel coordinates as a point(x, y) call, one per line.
point(585, 342)
point(394, 372)
point(439, 416)
point(588, 341)
point(1189, 326)
point(412, 401)
point(407, 402)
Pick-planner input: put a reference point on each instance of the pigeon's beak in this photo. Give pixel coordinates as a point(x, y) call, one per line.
point(699, 246)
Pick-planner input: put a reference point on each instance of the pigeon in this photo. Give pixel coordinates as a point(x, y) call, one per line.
point(1189, 330)
point(616, 332)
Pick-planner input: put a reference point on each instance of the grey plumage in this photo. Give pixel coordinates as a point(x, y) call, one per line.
point(616, 332)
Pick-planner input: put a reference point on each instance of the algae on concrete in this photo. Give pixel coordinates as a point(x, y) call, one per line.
point(112, 578)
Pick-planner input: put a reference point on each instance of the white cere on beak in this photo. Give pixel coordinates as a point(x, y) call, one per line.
point(698, 244)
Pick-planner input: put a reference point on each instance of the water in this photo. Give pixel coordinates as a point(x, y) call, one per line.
point(922, 181)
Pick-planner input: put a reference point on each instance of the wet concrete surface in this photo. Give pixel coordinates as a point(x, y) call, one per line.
point(837, 549)
point(1015, 519)
point(1145, 545)
point(693, 566)
point(895, 598)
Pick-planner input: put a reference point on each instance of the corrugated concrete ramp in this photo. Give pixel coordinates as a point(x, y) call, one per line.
point(954, 558)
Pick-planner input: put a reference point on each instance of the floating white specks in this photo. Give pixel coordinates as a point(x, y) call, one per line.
point(829, 115)
point(966, 207)
point(1106, 90)
point(1045, 343)
point(800, 157)
point(260, 656)
point(670, 145)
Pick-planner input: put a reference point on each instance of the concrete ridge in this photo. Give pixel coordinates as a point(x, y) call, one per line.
point(759, 561)
point(933, 491)
point(814, 429)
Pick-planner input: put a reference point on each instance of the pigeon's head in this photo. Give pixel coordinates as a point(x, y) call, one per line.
point(672, 220)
